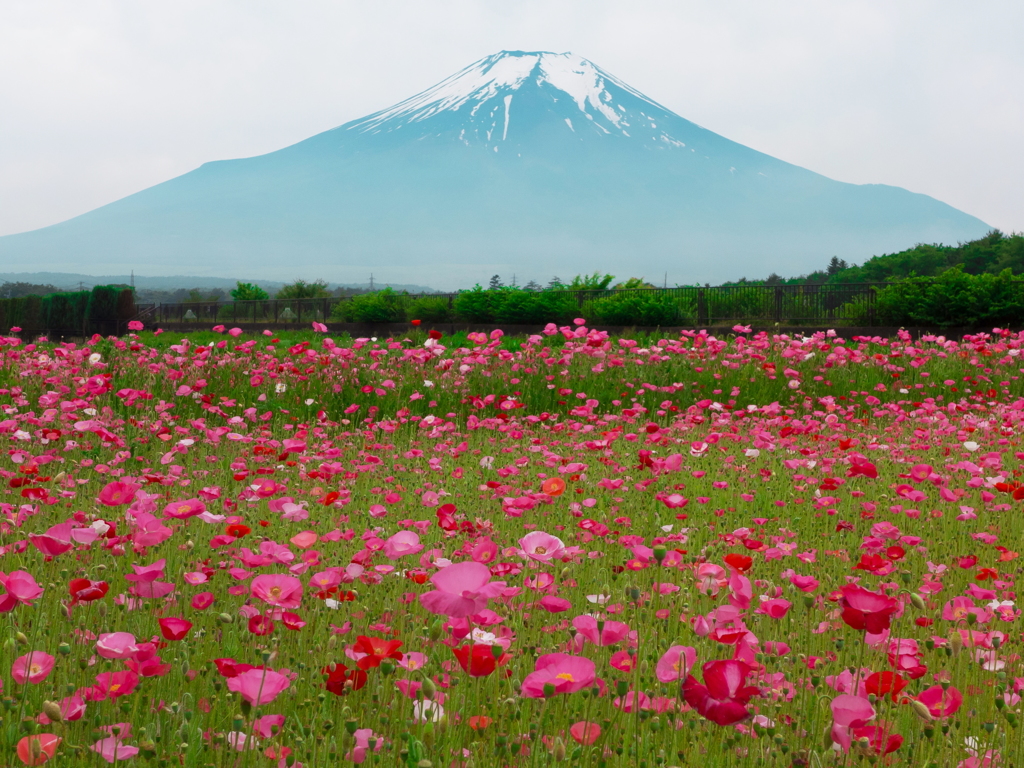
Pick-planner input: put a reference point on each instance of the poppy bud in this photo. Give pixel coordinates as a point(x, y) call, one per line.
point(63, 649)
point(429, 689)
point(435, 629)
point(497, 652)
point(972, 619)
point(920, 710)
point(549, 690)
point(351, 726)
point(996, 642)
point(808, 601)
point(20, 637)
point(558, 752)
point(52, 710)
point(956, 642)
point(917, 601)
point(226, 618)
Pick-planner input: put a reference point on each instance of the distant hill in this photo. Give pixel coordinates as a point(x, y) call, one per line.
point(533, 164)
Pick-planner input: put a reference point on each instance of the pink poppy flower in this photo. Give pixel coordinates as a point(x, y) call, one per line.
point(117, 493)
point(113, 749)
point(723, 697)
point(116, 645)
point(462, 590)
point(553, 604)
point(863, 609)
point(540, 546)
point(202, 601)
point(37, 749)
point(585, 733)
point(485, 551)
point(401, 544)
point(559, 673)
point(777, 607)
point(849, 712)
point(32, 668)
point(278, 590)
point(113, 685)
point(264, 726)
point(259, 686)
point(71, 708)
point(366, 743)
point(941, 703)
point(180, 510)
point(675, 663)
point(612, 632)
point(21, 589)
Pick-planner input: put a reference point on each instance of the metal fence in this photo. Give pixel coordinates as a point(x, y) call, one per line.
point(806, 304)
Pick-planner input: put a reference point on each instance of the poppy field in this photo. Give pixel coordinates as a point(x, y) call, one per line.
point(232, 550)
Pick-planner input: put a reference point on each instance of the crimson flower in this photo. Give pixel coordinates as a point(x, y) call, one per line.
point(86, 590)
point(174, 628)
point(738, 562)
point(867, 610)
point(340, 680)
point(479, 660)
point(723, 697)
point(261, 625)
point(376, 649)
point(883, 683)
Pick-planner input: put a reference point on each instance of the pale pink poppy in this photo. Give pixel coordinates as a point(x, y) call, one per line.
point(462, 590)
point(116, 645)
point(540, 546)
point(585, 733)
point(117, 493)
point(941, 703)
point(32, 668)
point(849, 712)
point(675, 663)
point(562, 672)
point(113, 749)
point(401, 544)
point(259, 686)
point(612, 632)
point(278, 590)
point(304, 540)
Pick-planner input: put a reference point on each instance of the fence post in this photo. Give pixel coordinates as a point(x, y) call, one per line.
point(778, 304)
point(702, 308)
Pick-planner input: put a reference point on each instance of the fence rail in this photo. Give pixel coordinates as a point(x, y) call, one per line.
point(793, 304)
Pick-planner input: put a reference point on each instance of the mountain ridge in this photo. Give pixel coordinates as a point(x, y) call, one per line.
point(530, 162)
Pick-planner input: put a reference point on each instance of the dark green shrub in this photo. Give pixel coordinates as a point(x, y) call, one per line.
point(642, 308)
point(126, 304)
point(64, 313)
point(478, 305)
point(103, 303)
point(954, 298)
point(536, 307)
point(431, 309)
point(379, 307)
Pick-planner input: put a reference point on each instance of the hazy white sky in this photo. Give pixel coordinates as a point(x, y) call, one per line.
point(102, 99)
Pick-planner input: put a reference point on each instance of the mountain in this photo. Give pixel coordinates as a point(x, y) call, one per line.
point(533, 164)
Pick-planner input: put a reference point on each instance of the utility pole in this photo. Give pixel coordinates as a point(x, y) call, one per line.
point(371, 282)
point(666, 280)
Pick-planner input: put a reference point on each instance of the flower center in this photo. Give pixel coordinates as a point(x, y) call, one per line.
point(540, 551)
point(275, 592)
point(565, 676)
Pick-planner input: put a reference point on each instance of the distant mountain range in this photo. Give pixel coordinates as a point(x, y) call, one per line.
point(74, 281)
point(527, 164)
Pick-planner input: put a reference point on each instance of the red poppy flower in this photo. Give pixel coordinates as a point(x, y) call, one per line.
point(341, 680)
point(261, 625)
point(738, 562)
point(986, 573)
point(863, 609)
point(895, 553)
point(173, 628)
point(435, 335)
point(86, 590)
point(238, 530)
point(415, 322)
point(479, 722)
point(479, 660)
point(723, 697)
point(885, 683)
point(376, 649)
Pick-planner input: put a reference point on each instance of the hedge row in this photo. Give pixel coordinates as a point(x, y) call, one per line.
point(512, 306)
point(75, 313)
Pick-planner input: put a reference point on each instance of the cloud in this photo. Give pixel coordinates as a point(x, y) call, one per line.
point(102, 99)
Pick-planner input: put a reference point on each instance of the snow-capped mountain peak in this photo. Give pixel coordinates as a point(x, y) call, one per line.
point(483, 99)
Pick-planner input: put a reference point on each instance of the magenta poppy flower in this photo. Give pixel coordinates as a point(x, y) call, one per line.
point(261, 625)
point(202, 601)
point(259, 686)
point(116, 645)
point(71, 708)
point(401, 544)
point(863, 609)
point(173, 628)
point(941, 703)
point(463, 589)
point(777, 607)
point(675, 663)
point(562, 672)
point(21, 590)
point(117, 493)
point(540, 546)
point(113, 685)
point(146, 573)
point(485, 551)
point(611, 633)
point(32, 668)
point(278, 590)
point(113, 749)
point(723, 697)
point(585, 733)
point(553, 604)
point(180, 510)
point(849, 712)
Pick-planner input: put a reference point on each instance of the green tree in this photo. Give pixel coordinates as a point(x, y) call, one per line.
point(594, 282)
point(248, 292)
point(300, 289)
